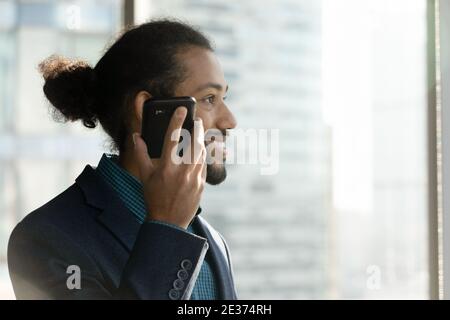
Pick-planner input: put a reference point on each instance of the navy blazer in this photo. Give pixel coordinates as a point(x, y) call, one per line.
point(88, 227)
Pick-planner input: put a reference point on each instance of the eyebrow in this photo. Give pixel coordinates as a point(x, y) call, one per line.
point(214, 85)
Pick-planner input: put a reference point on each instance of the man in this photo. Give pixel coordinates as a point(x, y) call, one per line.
point(130, 228)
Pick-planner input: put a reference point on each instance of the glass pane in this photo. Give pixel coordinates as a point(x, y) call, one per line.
point(345, 83)
point(375, 85)
point(32, 146)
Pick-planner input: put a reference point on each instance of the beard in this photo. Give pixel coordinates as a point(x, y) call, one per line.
point(215, 173)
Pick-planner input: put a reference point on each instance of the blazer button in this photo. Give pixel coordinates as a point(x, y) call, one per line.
point(182, 274)
point(178, 284)
point(174, 294)
point(186, 264)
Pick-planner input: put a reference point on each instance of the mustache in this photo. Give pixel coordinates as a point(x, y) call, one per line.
point(213, 135)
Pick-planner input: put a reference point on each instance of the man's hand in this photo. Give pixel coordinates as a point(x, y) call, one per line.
point(172, 190)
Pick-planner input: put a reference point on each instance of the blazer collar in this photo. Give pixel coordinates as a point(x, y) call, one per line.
point(218, 257)
point(114, 215)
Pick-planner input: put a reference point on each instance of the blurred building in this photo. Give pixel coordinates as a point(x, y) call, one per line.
point(375, 96)
point(33, 147)
point(343, 80)
point(276, 225)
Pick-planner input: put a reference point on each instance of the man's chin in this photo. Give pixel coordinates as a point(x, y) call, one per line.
point(215, 174)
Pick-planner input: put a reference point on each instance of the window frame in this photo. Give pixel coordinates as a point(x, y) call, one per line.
point(438, 140)
point(443, 104)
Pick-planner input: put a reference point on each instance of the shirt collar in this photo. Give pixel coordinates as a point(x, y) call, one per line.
point(128, 188)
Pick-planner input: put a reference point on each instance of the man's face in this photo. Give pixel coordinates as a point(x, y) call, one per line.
point(206, 83)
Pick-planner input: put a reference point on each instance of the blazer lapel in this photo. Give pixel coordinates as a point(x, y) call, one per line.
point(114, 215)
point(122, 224)
point(218, 260)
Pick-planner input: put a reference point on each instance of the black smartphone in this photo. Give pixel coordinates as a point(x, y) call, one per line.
point(156, 116)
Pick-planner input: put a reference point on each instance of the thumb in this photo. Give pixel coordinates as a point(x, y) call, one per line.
point(144, 162)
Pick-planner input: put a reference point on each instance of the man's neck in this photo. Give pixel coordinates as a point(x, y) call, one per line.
point(128, 162)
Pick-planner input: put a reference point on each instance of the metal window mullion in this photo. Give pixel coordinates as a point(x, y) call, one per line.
point(432, 152)
point(444, 96)
point(128, 13)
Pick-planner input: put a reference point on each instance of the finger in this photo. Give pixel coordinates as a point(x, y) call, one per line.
point(205, 167)
point(199, 169)
point(173, 133)
point(198, 142)
point(143, 160)
point(193, 152)
point(196, 167)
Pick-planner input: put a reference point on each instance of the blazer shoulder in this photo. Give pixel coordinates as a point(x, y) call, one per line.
point(67, 212)
point(68, 203)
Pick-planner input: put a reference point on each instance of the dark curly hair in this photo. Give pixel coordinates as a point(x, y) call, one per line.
point(143, 58)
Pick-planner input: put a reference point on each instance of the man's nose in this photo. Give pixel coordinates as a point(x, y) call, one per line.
point(226, 120)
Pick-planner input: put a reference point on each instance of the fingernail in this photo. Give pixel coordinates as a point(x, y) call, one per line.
point(181, 111)
point(134, 139)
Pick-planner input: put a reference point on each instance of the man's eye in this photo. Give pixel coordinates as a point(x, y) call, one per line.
point(210, 99)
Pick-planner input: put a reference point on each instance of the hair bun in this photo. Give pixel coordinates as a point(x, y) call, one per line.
point(70, 86)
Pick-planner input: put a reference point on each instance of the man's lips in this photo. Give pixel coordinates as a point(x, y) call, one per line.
point(217, 147)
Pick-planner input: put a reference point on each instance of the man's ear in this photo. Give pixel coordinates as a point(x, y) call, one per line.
point(139, 101)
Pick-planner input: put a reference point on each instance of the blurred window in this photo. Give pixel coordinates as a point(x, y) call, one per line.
point(345, 82)
point(33, 148)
